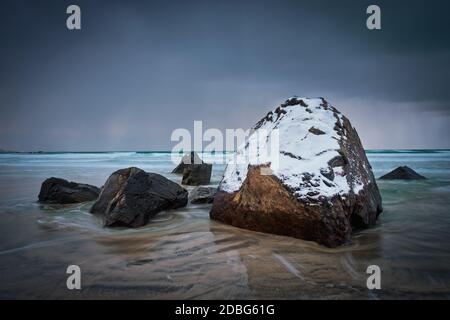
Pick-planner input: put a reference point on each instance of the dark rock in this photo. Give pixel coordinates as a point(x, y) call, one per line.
point(338, 161)
point(316, 131)
point(402, 173)
point(290, 155)
point(197, 174)
point(188, 159)
point(293, 101)
point(131, 197)
point(56, 190)
point(202, 195)
point(328, 173)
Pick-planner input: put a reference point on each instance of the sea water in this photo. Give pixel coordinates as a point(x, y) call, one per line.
point(182, 254)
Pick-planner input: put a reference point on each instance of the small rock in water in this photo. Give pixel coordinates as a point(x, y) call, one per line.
point(131, 197)
point(197, 174)
point(60, 191)
point(202, 195)
point(402, 173)
point(187, 160)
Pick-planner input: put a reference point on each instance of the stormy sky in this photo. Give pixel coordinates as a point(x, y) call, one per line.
point(137, 70)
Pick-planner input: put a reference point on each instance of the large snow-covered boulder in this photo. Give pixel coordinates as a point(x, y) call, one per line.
point(321, 186)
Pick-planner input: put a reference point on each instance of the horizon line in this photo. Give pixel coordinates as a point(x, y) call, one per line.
point(219, 151)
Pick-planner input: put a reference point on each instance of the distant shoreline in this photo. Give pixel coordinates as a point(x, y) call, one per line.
point(430, 150)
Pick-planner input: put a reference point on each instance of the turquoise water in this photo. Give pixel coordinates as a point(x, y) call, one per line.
point(182, 254)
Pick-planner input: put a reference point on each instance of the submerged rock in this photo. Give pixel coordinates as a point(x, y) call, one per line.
point(202, 195)
point(188, 159)
point(56, 190)
point(197, 174)
point(402, 173)
point(319, 186)
point(131, 197)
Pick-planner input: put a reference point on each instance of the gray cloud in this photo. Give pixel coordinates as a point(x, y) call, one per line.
point(139, 69)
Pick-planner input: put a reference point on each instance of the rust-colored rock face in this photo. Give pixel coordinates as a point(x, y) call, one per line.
point(314, 194)
point(263, 204)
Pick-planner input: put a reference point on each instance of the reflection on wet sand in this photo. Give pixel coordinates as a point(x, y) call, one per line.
point(182, 254)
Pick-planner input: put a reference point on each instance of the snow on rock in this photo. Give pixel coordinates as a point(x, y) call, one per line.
point(309, 138)
point(303, 173)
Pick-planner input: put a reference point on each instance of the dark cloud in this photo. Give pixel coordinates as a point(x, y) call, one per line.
point(139, 69)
